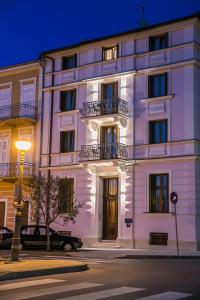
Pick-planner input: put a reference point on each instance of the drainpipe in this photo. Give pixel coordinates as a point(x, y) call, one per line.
point(43, 60)
point(133, 205)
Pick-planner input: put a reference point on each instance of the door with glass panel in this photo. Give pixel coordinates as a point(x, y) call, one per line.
point(109, 139)
point(110, 208)
point(109, 98)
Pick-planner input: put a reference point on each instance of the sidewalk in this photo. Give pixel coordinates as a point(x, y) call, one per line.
point(133, 253)
point(30, 268)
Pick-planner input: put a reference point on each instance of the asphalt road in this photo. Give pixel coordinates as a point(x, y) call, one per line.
point(110, 278)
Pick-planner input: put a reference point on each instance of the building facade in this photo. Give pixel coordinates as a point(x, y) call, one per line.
point(19, 90)
point(120, 118)
point(121, 121)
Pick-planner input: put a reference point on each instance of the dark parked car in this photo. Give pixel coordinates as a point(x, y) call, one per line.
point(5, 237)
point(33, 236)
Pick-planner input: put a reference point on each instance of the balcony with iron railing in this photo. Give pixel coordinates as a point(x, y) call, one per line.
point(103, 152)
point(11, 114)
point(11, 170)
point(105, 107)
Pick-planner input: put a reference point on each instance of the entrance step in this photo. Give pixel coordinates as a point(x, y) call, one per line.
point(106, 244)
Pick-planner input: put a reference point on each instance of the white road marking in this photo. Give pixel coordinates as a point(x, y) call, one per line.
point(50, 291)
point(18, 285)
point(166, 296)
point(104, 294)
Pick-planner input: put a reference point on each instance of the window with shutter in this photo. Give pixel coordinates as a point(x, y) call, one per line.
point(3, 156)
point(3, 151)
point(28, 93)
point(2, 213)
point(5, 96)
point(5, 100)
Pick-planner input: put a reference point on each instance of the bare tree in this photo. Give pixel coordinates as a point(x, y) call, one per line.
point(48, 198)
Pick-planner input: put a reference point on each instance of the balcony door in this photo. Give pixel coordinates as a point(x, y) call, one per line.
point(109, 139)
point(27, 99)
point(110, 208)
point(4, 151)
point(109, 96)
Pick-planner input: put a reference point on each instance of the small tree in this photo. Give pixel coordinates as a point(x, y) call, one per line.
point(46, 196)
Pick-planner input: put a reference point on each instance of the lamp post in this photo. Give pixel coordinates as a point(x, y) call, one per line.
point(22, 146)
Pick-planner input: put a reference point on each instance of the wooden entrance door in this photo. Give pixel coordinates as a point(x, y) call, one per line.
point(2, 212)
point(110, 208)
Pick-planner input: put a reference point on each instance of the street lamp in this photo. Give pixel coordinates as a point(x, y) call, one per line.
point(22, 146)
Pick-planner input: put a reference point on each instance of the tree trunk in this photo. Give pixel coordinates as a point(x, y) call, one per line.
point(48, 239)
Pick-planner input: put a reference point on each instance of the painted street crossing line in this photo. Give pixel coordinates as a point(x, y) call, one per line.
point(18, 285)
point(50, 291)
point(166, 296)
point(104, 294)
point(63, 288)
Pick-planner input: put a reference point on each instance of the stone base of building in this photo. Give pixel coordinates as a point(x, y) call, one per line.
point(89, 242)
point(126, 244)
point(138, 244)
point(171, 245)
point(98, 243)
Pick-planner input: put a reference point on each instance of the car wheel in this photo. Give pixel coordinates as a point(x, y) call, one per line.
point(21, 246)
point(68, 247)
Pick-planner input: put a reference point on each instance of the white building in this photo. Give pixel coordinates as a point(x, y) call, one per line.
point(120, 118)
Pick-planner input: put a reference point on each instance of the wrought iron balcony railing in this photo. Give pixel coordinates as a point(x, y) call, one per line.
point(18, 111)
point(104, 107)
point(11, 170)
point(103, 151)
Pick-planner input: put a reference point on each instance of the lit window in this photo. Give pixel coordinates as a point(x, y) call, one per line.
point(158, 192)
point(157, 85)
point(110, 53)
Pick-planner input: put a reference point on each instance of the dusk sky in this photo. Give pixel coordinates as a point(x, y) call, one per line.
point(31, 26)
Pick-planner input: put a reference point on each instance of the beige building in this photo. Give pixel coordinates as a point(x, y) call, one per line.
point(18, 120)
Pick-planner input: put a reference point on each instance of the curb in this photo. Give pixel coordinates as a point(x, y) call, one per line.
point(25, 274)
point(160, 257)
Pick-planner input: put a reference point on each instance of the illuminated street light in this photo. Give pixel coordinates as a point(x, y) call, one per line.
point(22, 146)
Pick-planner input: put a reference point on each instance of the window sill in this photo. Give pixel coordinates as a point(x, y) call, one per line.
point(158, 214)
point(68, 112)
point(157, 99)
point(107, 60)
point(68, 69)
point(70, 152)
